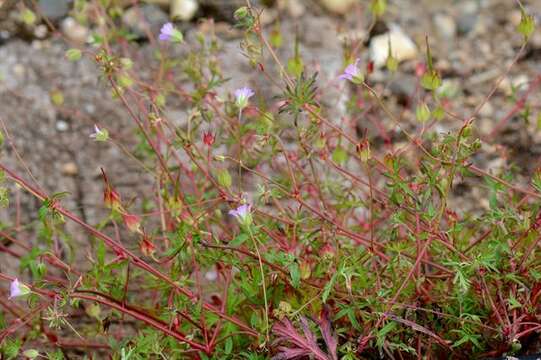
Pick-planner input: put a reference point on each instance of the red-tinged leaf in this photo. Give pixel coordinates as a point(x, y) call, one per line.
point(418, 328)
point(327, 333)
point(310, 337)
point(286, 353)
point(299, 345)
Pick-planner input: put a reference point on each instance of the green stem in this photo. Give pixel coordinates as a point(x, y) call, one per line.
point(263, 282)
point(240, 152)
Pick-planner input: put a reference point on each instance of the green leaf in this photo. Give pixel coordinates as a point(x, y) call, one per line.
point(228, 345)
point(295, 274)
point(276, 38)
point(339, 155)
point(378, 7)
point(422, 112)
point(527, 25)
point(28, 17)
point(392, 63)
point(328, 288)
point(31, 353)
point(514, 303)
point(239, 240)
point(57, 97)
point(295, 66)
point(10, 348)
point(224, 178)
point(438, 113)
point(4, 197)
point(383, 332)
point(73, 54)
point(431, 80)
point(125, 81)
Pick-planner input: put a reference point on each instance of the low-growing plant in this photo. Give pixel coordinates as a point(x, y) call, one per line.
point(273, 230)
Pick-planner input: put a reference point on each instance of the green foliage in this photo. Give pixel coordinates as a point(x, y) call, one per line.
point(526, 27)
point(302, 94)
point(73, 54)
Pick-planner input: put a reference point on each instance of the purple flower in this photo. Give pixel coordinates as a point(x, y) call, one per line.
point(242, 213)
point(17, 289)
point(352, 73)
point(169, 33)
point(242, 95)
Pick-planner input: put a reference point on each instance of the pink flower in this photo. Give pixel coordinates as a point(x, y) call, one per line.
point(208, 138)
point(242, 95)
point(353, 73)
point(132, 222)
point(242, 213)
point(17, 289)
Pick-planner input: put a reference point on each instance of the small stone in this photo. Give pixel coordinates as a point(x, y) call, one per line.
point(485, 125)
point(296, 9)
point(403, 86)
point(268, 16)
point(487, 110)
point(73, 30)
point(338, 7)
point(89, 108)
point(353, 35)
point(536, 40)
point(54, 9)
point(450, 88)
point(505, 86)
point(70, 169)
point(4, 35)
point(137, 18)
point(445, 26)
point(515, 17)
point(19, 70)
point(402, 47)
point(62, 126)
point(211, 275)
point(467, 19)
point(520, 82)
point(183, 9)
point(40, 31)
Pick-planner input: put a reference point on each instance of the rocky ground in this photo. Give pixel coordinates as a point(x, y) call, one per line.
point(472, 43)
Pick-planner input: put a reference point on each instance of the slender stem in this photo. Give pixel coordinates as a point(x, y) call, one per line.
point(263, 283)
point(239, 134)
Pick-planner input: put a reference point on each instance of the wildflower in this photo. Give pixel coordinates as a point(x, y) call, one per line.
point(208, 138)
point(363, 149)
point(242, 95)
point(169, 33)
point(132, 222)
point(242, 213)
point(99, 134)
point(111, 199)
point(17, 289)
point(147, 246)
point(353, 74)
